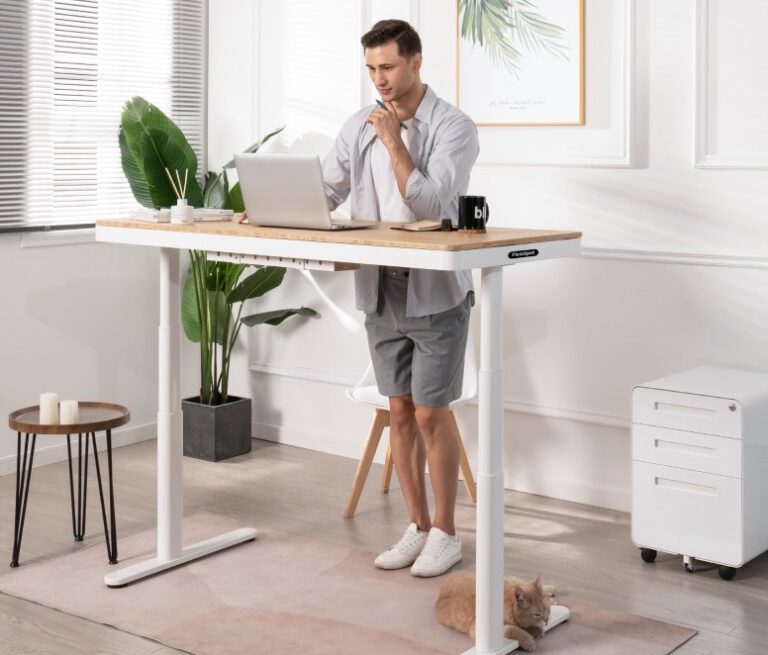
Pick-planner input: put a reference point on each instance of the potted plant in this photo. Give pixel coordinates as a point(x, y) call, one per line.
point(217, 425)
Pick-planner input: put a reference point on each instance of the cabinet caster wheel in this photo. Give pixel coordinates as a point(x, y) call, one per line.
point(726, 572)
point(688, 563)
point(648, 555)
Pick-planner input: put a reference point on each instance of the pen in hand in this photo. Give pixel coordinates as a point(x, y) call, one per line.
point(384, 107)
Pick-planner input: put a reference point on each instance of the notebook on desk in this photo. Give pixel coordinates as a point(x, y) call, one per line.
point(282, 190)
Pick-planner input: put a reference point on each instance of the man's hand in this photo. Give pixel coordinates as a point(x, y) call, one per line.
point(387, 126)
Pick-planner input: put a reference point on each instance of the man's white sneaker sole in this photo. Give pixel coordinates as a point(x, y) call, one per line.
point(392, 566)
point(404, 553)
point(434, 571)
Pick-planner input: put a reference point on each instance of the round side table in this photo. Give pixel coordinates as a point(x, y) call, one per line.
point(94, 417)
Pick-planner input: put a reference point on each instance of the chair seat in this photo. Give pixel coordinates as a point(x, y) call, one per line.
point(368, 396)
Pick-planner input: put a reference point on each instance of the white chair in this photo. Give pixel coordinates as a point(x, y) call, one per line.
point(366, 392)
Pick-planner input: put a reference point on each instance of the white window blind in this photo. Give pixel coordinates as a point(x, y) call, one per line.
point(66, 69)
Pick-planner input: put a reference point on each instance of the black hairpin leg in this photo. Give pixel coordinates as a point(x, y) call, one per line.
point(23, 476)
point(78, 512)
point(112, 529)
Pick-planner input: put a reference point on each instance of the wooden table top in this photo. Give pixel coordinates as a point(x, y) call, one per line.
point(380, 234)
point(94, 417)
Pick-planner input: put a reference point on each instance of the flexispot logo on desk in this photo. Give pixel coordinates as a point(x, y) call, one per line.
point(516, 254)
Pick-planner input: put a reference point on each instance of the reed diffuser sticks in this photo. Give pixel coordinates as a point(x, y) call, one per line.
point(178, 188)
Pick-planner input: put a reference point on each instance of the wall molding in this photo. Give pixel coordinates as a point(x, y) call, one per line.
point(50, 454)
point(539, 484)
point(309, 438)
point(571, 491)
point(668, 257)
point(624, 158)
point(56, 238)
point(702, 158)
point(328, 376)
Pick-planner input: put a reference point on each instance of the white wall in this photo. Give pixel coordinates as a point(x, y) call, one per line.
point(673, 272)
point(79, 318)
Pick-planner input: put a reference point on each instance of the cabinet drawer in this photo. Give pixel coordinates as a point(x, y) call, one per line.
point(687, 411)
point(687, 450)
point(687, 512)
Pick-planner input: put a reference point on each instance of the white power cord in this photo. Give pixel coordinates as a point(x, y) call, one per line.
point(349, 323)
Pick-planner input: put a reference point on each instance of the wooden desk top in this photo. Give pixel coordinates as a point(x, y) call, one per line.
point(378, 235)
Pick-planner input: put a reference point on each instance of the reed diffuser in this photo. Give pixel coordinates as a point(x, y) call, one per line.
point(181, 212)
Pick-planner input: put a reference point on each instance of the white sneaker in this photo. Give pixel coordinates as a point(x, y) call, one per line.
point(405, 551)
point(440, 553)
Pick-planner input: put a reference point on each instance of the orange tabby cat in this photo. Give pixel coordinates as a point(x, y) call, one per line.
point(526, 607)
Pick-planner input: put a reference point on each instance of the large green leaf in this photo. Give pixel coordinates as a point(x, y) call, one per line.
point(156, 143)
point(190, 315)
point(257, 284)
point(133, 174)
point(217, 191)
point(222, 276)
point(217, 301)
point(277, 316)
point(236, 202)
point(162, 152)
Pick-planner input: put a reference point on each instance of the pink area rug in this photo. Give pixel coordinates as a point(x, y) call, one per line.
point(286, 594)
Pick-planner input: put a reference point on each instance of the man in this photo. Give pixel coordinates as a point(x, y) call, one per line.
point(417, 320)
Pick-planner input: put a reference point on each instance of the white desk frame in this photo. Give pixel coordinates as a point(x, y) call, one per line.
point(316, 254)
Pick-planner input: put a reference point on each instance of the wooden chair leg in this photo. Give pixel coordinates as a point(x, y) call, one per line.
point(380, 421)
point(386, 478)
point(466, 471)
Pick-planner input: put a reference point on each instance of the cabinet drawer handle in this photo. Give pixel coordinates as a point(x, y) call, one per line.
point(685, 409)
point(690, 449)
point(678, 485)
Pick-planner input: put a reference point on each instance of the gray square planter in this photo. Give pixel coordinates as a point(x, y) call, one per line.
point(216, 432)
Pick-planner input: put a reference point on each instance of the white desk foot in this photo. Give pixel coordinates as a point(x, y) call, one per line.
point(557, 615)
point(507, 647)
point(151, 566)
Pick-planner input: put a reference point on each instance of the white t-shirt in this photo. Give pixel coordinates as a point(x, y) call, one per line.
point(390, 202)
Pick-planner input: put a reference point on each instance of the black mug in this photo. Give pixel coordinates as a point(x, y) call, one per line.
point(473, 213)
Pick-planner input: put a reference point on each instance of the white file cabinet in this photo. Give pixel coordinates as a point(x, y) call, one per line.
point(700, 467)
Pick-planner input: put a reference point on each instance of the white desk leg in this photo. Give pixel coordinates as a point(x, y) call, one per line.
point(170, 490)
point(489, 639)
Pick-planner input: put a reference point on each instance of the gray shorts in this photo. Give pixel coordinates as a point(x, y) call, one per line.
point(418, 355)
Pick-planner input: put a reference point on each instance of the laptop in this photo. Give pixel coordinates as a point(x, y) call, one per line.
point(281, 190)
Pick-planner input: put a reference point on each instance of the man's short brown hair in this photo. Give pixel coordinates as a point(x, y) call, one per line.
point(407, 39)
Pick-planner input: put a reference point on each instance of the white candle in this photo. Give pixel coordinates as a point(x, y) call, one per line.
point(49, 408)
point(69, 412)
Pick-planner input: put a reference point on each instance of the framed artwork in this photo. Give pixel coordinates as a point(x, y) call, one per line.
point(521, 62)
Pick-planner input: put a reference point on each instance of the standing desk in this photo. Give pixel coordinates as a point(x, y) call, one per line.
point(319, 250)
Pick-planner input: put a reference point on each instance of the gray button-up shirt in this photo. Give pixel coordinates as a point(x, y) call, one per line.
point(443, 145)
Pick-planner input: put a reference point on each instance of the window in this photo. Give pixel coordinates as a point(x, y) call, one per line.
point(66, 69)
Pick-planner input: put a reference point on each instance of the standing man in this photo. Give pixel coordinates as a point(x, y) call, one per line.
point(408, 162)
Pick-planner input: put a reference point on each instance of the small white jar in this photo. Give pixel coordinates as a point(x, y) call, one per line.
point(181, 212)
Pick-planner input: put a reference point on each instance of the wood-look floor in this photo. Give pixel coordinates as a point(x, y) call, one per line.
point(585, 551)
